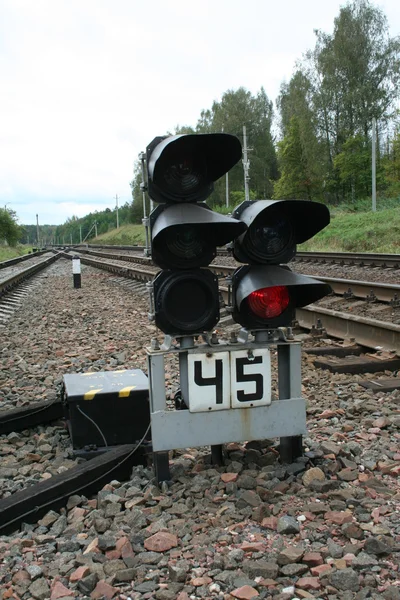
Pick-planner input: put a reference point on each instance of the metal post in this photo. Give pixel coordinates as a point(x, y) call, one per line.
point(76, 271)
point(227, 189)
point(37, 230)
point(116, 200)
point(374, 165)
point(289, 384)
point(145, 220)
point(70, 238)
point(184, 342)
point(95, 228)
point(246, 165)
point(158, 402)
point(80, 234)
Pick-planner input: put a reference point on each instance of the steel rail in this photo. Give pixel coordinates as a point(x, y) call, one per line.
point(8, 284)
point(367, 332)
point(370, 290)
point(129, 272)
point(13, 261)
point(351, 258)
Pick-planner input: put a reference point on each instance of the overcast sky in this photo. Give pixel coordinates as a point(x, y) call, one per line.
point(86, 84)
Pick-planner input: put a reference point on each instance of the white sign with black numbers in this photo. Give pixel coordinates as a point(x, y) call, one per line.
point(223, 380)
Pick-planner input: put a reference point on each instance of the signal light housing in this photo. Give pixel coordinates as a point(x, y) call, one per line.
point(275, 227)
point(185, 232)
point(183, 168)
point(267, 297)
point(186, 236)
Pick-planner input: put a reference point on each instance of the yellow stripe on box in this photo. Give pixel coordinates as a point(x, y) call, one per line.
point(91, 394)
point(124, 393)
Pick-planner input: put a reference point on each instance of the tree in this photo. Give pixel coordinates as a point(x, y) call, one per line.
point(391, 166)
point(9, 228)
point(298, 176)
point(353, 166)
point(354, 75)
point(236, 109)
point(301, 156)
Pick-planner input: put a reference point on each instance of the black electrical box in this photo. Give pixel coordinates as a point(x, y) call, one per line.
point(107, 408)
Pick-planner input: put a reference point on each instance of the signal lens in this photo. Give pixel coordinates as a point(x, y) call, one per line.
point(185, 174)
point(267, 303)
point(186, 302)
point(185, 243)
point(186, 247)
point(270, 236)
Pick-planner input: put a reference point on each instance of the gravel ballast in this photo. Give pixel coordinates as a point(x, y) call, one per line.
point(326, 526)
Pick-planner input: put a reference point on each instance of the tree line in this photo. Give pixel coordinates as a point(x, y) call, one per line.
point(316, 142)
point(76, 229)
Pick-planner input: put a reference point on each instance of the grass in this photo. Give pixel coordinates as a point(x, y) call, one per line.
point(126, 235)
point(359, 232)
point(7, 252)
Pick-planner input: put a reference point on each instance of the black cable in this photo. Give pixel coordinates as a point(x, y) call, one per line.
point(94, 423)
point(121, 462)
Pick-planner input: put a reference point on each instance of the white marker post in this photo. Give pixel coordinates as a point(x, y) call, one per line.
point(76, 271)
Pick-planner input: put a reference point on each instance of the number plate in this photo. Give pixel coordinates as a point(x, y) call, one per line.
point(223, 380)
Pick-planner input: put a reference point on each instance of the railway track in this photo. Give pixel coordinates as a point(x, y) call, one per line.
point(9, 282)
point(103, 326)
point(351, 288)
point(340, 258)
point(18, 259)
point(370, 332)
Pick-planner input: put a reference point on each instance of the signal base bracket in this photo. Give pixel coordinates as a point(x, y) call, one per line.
point(284, 417)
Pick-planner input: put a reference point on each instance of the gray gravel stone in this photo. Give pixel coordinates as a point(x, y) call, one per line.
point(260, 568)
point(375, 546)
point(288, 525)
point(40, 589)
point(345, 579)
point(34, 571)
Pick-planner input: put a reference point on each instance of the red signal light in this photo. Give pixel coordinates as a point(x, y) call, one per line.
point(267, 303)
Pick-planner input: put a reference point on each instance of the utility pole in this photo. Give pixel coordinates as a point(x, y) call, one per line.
point(227, 189)
point(246, 166)
point(116, 200)
point(37, 230)
point(71, 238)
point(95, 228)
point(80, 234)
point(374, 165)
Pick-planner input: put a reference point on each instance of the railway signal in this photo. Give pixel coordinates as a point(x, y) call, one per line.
point(266, 295)
point(185, 232)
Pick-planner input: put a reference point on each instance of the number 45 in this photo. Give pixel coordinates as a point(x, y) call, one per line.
point(223, 380)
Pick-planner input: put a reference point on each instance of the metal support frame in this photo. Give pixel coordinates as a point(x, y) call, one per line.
point(171, 429)
point(289, 382)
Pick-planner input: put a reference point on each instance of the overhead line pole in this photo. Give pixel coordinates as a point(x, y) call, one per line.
point(374, 165)
point(246, 165)
point(37, 230)
point(116, 199)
